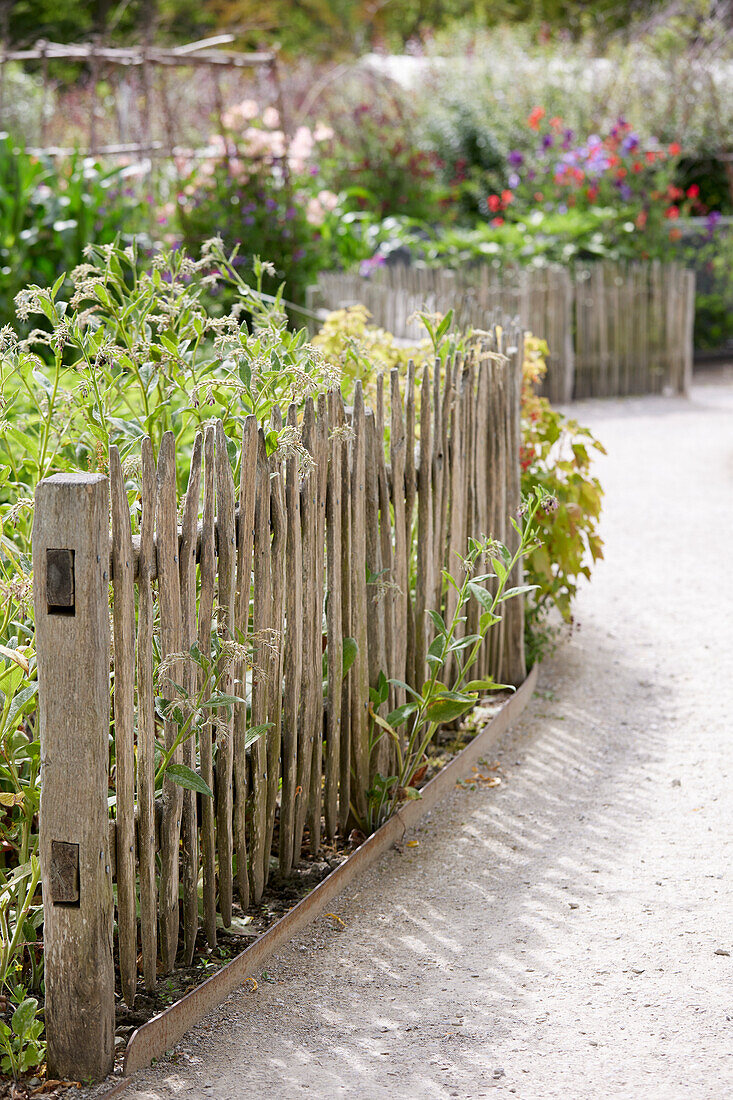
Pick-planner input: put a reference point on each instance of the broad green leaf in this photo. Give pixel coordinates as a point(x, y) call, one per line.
point(398, 716)
point(445, 710)
point(186, 777)
point(438, 621)
point(222, 701)
point(520, 590)
point(24, 1016)
point(481, 595)
point(350, 650)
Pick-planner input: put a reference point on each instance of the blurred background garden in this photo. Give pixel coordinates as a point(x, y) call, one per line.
point(343, 134)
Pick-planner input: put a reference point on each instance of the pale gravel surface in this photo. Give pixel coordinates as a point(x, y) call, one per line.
point(554, 937)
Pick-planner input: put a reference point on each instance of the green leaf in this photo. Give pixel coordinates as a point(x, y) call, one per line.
point(464, 643)
point(487, 620)
point(186, 777)
point(435, 654)
point(481, 595)
point(400, 714)
point(520, 590)
point(24, 1016)
point(444, 325)
point(408, 689)
point(19, 703)
point(438, 621)
point(255, 732)
point(222, 701)
point(350, 650)
point(445, 710)
point(486, 685)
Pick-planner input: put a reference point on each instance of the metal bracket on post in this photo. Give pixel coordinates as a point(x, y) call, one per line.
point(71, 597)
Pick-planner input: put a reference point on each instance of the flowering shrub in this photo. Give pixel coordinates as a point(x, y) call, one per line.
point(261, 192)
point(375, 161)
point(624, 185)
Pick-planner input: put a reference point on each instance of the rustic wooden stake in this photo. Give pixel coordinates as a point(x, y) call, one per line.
point(71, 595)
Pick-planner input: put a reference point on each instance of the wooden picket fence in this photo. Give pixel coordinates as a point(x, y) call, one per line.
point(288, 563)
point(612, 329)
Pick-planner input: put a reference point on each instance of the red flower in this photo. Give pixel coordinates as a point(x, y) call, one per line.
point(506, 197)
point(636, 167)
point(675, 234)
point(538, 196)
point(651, 156)
point(497, 221)
point(672, 212)
point(693, 191)
point(535, 117)
point(675, 149)
point(591, 193)
point(556, 123)
point(621, 174)
point(494, 203)
point(641, 219)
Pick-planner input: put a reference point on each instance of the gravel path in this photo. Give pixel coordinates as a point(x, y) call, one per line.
point(570, 933)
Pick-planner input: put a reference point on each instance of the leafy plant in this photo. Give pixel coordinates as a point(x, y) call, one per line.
point(451, 655)
point(191, 711)
point(556, 458)
point(21, 1041)
point(140, 350)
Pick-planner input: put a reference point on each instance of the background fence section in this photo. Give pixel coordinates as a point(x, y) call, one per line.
point(612, 329)
point(250, 588)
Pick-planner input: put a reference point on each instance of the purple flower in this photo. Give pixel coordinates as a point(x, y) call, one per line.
point(366, 267)
point(270, 204)
point(562, 208)
point(515, 158)
point(567, 139)
point(547, 141)
point(513, 179)
point(626, 192)
point(248, 219)
point(629, 143)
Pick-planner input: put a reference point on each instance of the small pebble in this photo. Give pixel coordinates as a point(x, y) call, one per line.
point(721, 951)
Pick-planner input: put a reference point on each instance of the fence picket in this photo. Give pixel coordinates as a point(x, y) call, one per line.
point(169, 601)
point(277, 606)
point(226, 583)
point(410, 494)
point(187, 575)
point(424, 584)
point(124, 713)
point(146, 722)
point(359, 674)
point(207, 571)
point(320, 476)
point(293, 657)
point(261, 641)
point(334, 613)
point(245, 545)
point(385, 539)
point(397, 447)
point(345, 750)
point(310, 691)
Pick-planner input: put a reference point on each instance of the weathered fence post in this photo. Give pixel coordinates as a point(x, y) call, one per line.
point(71, 577)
